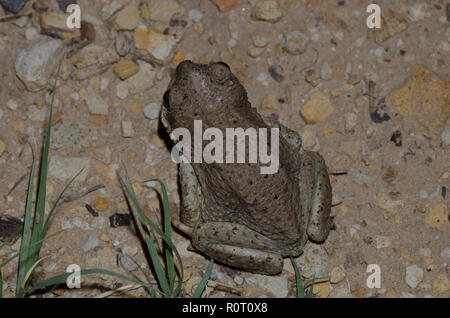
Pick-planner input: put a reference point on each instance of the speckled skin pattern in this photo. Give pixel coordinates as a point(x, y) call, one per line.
point(239, 216)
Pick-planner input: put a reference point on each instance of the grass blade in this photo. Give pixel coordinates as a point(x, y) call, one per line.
point(63, 277)
point(201, 286)
point(24, 251)
point(298, 280)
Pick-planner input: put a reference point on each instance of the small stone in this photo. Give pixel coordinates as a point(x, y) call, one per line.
point(22, 21)
point(276, 285)
point(267, 10)
point(414, 276)
point(143, 80)
point(270, 102)
point(295, 42)
point(262, 39)
point(160, 12)
point(101, 204)
point(382, 241)
point(125, 69)
point(390, 202)
point(128, 17)
point(35, 64)
point(69, 134)
point(195, 15)
point(238, 280)
point(152, 110)
point(445, 137)
point(311, 78)
point(310, 141)
point(122, 90)
point(438, 216)
point(445, 252)
point(109, 9)
point(158, 45)
point(127, 262)
point(337, 275)
point(13, 6)
point(127, 129)
point(96, 104)
point(255, 51)
point(91, 243)
point(65, 168)
point(326, 73)
point(313, 261)
point(227, 5)
point(136, 107)
point(361, 178)
point(54, 22)
point(12, 104)
point(441, 284)
point(393, 24)
point(31, 33)
point(317, 108)
point(351, 120)
point(98, 223)
point(2, 145)
point(417, 11)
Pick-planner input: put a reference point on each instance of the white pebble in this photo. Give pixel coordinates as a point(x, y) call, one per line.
point(152, 110)
point(379, 51)
point(12, 104)
point(195, 15)
point(31, 33)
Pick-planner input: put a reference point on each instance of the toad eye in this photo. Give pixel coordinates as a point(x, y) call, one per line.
point(220, 72)
point(173, 97)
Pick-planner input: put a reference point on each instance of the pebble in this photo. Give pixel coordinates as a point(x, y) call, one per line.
point(351, 120)
point(125, 69)
point(128, 17)
point(96, 104)
point(31, 33)
point(445, 137)
point(127, 129)
point(227, 5)
point(13, 6)
point(262, 39)
point(54, 22)
point(35, 64)
point(152, 110)
point(382, 241)
point(295, 42)
point(317, 108)
point(310, 141)
point(143, 80)
point(238, 280)
point(337, 275)
point(101, 204)
point(2, 145)
point(22, 21)
point(158, 45)
point(160, 12)
point(441, 284)
point(326, 73)
point(98, 223)
point(438, 216)
point(313, 261)
point(267, 10)
point(417, 11)
point(80, 223)
point(127, 263)
point(194, 15)
point(276, 285)
point(389, 202)
point(445, 252)
point(69, 134)
point(255, 51)
point(65, 168)
point(414, 276)
point(109, 9)
point(361, 178)
point(122, 90)
point(91, 242)
point(12, 104)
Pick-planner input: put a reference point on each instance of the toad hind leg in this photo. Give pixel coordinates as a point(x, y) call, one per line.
point(238, 246)
point(319, 220)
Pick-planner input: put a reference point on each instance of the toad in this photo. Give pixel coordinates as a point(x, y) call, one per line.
point(234, 213)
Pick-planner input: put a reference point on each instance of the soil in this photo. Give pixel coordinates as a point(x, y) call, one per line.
point(384, 140)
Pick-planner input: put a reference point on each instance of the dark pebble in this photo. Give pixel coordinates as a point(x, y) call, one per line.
point(444, 191)
point(91, 210)
point(397, 138)
point(13, 6)
point(10, 228)
point(275, 73)
point(377, 118)
point(448, 12)
point(63, 4)
point(119, 219)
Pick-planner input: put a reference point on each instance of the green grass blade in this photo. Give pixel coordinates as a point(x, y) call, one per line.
point(152, 290)
point(1, 284)
point(201, 286)
point(24, 251)
point(58, 199)
point(298, 280)
point(159, 270)
point(63, 277)
point(168, 231)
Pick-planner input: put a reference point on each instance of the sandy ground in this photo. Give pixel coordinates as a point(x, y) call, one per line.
point(375, 104)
